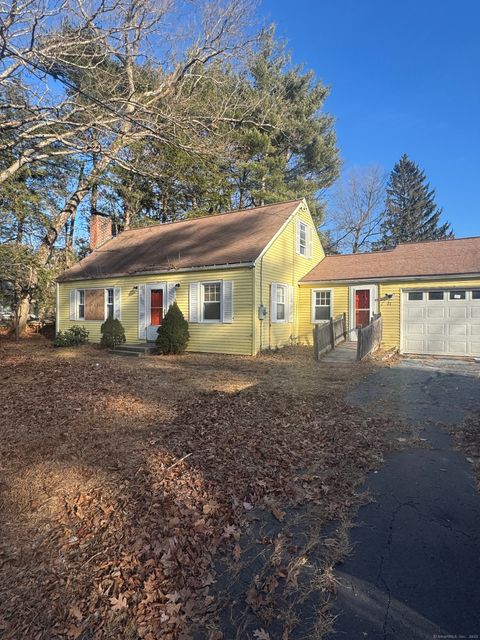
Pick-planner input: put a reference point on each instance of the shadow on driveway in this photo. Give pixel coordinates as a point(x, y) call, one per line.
point(414, 572)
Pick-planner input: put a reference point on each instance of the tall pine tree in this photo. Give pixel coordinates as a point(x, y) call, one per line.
point(411, 214)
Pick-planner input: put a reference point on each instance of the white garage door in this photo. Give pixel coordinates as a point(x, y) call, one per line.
point(441, 322)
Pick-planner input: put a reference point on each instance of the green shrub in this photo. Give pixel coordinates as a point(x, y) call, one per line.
point(173, 333)
point(72, 337)
point(113, 333)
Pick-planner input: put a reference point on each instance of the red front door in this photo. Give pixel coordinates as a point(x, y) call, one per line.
point(156, 307)
point(362, 307)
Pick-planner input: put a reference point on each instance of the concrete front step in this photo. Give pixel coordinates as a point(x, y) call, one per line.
point(134, 350)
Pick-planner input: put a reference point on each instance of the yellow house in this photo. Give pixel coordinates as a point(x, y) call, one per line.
point(258, 279)
point(234, 276)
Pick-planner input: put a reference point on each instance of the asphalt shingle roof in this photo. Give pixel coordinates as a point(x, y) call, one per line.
point(229, 238)
point(433, 258)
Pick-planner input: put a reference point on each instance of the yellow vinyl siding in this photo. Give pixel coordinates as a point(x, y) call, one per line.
point(235, 338)
point(390, 309)
point(340, 305)
point(281, 264)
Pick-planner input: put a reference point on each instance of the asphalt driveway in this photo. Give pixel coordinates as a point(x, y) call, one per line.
point(414, 572)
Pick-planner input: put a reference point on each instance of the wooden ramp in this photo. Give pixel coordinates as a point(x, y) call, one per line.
point(345, 352)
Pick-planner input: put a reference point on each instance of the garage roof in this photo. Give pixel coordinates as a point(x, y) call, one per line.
point(433, 258)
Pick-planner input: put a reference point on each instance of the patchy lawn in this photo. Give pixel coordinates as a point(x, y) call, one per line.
point(126, 484)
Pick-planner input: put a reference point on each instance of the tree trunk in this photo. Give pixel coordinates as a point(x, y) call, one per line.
point(127, 214)
point(21, 317)
point(72, 204)
point(71, 227)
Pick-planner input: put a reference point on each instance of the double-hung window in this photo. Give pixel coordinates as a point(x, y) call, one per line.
point(109, 303)
point(81, 304)
point(281, 300)
point(304, 239)
point(211, 301)
point(322, 305)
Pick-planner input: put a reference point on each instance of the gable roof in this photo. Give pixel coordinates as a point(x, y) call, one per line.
point(433, 258)
point(235, 237)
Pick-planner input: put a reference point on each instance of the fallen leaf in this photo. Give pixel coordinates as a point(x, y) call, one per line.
point(278, 513)
point(237, 552)
point(261, 634)
point(75, 612)
point(119, 603)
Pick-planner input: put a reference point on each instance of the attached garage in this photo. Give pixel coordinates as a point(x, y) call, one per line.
point(444, 322)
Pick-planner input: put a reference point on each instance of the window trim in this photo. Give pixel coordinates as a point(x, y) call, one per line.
point(420, 291)
point(107, 289)
point(314, 306)
point(285, 303)
point(78, 304)
point(202, 301)
point(105, 303)
point(442, 291)
point(308, 239)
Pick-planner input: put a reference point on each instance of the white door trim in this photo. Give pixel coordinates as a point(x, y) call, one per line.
point(151, 330)
point(373, 288)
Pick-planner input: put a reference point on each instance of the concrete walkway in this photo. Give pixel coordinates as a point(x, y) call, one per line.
point(415, 566)
point(344, 352)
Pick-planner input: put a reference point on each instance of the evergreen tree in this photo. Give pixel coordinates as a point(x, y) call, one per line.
point(411, 214)
point(294, 154)
point(173, 334)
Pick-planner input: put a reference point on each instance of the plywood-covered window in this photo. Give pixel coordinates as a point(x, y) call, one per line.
point(95, 304)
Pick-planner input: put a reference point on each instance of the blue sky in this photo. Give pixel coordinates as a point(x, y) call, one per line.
point(404, 78)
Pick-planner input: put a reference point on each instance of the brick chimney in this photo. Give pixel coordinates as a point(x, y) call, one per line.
point(100, 230)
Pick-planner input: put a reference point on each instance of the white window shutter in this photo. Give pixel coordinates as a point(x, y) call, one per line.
point(142, 316)
point(73, 304)
point(170, 294)
point(273, 302)
point(227, 291)
point(117, 313)
point(313, 298)
point(193, 304)
point(309, 242)
point(290, 303)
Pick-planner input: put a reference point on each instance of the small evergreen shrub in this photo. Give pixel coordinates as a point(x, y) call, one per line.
point(113, 333)
point(173, 333)
point(72, 337)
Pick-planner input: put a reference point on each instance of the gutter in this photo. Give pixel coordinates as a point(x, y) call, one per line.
point(374, 279)
point(212, 267)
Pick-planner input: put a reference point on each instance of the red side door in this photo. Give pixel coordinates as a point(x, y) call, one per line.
point(156, 307)
point(362, 307)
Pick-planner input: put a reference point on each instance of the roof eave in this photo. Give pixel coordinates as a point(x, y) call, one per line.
point(448, 276)
point(155, 272)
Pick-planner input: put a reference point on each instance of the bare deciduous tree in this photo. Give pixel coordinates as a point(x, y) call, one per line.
point(96, 76)
point(356, 209)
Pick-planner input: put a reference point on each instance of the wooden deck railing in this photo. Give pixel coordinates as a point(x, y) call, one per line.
point(326, 335)
point(369, 337)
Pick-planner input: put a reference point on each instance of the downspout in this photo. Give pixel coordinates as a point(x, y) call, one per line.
point(254, 313)
point(57, 309)
point(261, 302)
